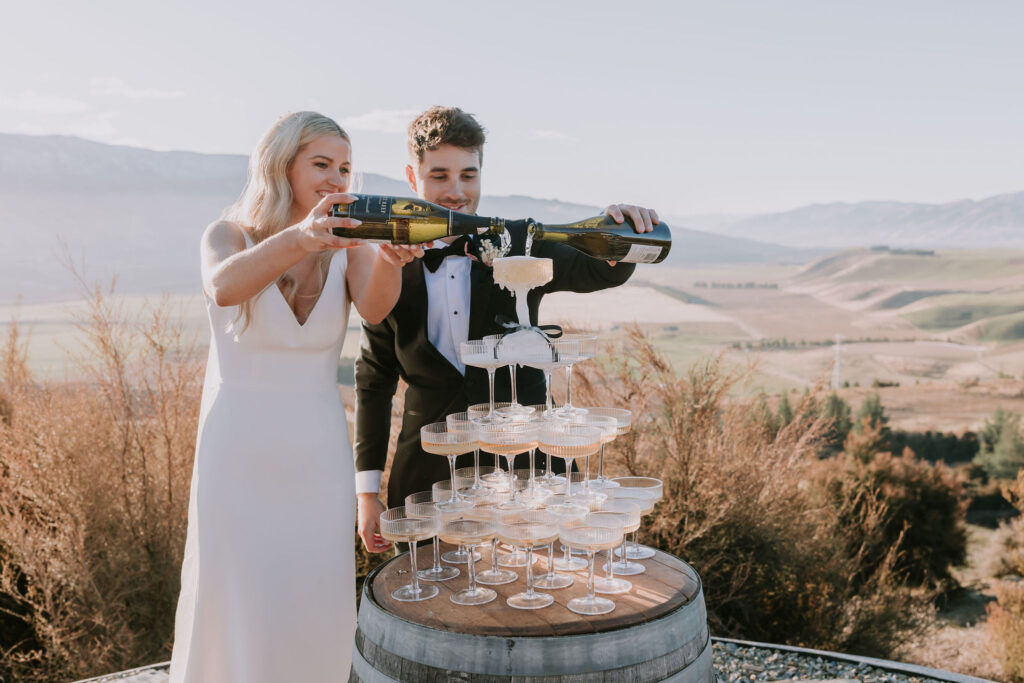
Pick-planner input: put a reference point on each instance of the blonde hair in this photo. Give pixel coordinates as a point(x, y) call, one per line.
point(264, 206)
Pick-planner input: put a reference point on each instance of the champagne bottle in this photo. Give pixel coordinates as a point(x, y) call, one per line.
point(602, 238)
point(402, 220)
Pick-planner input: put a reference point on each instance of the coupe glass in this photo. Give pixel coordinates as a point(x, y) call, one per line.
point(569, 441)
point(441, 491)
point(482, 354)
point(494, 576)
point(624, 419)
point(591, 536)
point(549, 480)
point(608, 426)
point(436, 438)
point(398, 527)
point(653, 488)
point(561, 352)
point(514, 408)
point(458, 422)
point(565, 512)
point(627, 514)
point(508, 440)
point(527, 530)
point(586, 348)
point(423, 506)
point(470, 533)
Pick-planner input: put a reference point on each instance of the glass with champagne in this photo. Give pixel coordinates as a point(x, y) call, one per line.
point(398, 527)
point(436, 438)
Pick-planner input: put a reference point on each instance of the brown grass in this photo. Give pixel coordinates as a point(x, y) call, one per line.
point(95, 482)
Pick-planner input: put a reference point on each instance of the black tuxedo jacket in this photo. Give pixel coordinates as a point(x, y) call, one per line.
point(398, 347)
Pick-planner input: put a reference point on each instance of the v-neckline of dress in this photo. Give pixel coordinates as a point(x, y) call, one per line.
point(295, 318)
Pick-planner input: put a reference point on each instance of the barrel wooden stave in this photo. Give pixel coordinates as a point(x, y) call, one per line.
point(673, 647)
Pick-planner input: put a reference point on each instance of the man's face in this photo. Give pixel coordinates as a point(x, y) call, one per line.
point(449, 176)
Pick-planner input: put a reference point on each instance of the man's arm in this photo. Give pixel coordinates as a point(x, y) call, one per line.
point(577, 272)
point(376, 373)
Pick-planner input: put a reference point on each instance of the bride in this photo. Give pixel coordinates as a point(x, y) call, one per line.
point(268, 578)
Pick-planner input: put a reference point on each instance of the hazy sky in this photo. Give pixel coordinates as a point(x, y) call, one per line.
point(689, 107)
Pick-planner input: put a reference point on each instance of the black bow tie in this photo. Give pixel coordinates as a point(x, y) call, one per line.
point(432, 257)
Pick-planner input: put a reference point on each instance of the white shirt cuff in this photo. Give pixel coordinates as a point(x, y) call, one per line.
point(368, 481)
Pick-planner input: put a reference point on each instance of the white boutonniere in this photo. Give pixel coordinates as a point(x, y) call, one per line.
point(490, 251)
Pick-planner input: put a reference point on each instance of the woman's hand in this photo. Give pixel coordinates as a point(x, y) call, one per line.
point(370, 509)
point(400, 254)
point(314, 232)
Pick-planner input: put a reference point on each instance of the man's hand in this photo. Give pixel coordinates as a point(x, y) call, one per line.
point(643, 219)
point(370, 509)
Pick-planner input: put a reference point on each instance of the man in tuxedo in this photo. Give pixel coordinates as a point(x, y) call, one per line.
point(447, 299)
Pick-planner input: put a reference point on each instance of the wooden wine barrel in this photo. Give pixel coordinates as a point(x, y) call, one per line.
point(657, 632)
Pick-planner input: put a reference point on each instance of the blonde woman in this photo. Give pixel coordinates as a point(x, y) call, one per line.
point(268, 579)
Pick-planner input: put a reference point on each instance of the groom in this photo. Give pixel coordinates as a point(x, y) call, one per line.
point(446, 300)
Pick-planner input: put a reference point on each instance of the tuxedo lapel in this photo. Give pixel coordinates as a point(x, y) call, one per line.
point(481, 286)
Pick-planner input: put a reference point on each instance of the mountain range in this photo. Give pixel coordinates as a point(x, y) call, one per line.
point(993, 222)
point(138, 214)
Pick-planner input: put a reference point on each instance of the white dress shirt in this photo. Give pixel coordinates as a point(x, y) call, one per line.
point(448, 293)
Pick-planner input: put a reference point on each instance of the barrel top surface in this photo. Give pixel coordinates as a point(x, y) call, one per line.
point(668, 584)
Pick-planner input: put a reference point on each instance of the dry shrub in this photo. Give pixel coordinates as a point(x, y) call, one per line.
point(1004, 553)
point(94, 486)
point(1006, 629)
point(745, 504)
point(925, 508)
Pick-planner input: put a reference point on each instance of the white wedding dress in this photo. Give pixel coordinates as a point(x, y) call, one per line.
point(268, 579)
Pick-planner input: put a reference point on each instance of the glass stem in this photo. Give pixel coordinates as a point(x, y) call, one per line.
point(568, 387)
point(568, 480)
point(413, 566)
point(451, 466)
point(611, 564)
point(567, 557)
point(586, 474)
point(600, 465)
point(494, 555)
point(437, 555)
point(623, 562)
point(490, 393)
point(590, 575)
point(633, 540)
point(512, 372)
point(533, 471)
point(513, 495)
point(471, 569)
point(551, 561)
point(548, 401)
point(529, 572)
point(476, 468)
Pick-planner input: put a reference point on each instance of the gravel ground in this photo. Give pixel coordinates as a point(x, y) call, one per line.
point(738, 664)
point(733, 664)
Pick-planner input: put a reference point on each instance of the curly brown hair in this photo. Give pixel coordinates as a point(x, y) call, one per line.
point(445, 126)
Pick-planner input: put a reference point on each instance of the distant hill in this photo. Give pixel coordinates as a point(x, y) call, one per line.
point(139, 213)
point(993, 222)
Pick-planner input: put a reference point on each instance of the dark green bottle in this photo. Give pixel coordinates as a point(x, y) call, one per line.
point(404, 220)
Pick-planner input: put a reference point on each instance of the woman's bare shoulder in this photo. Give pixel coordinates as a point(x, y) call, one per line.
point(223, 230)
